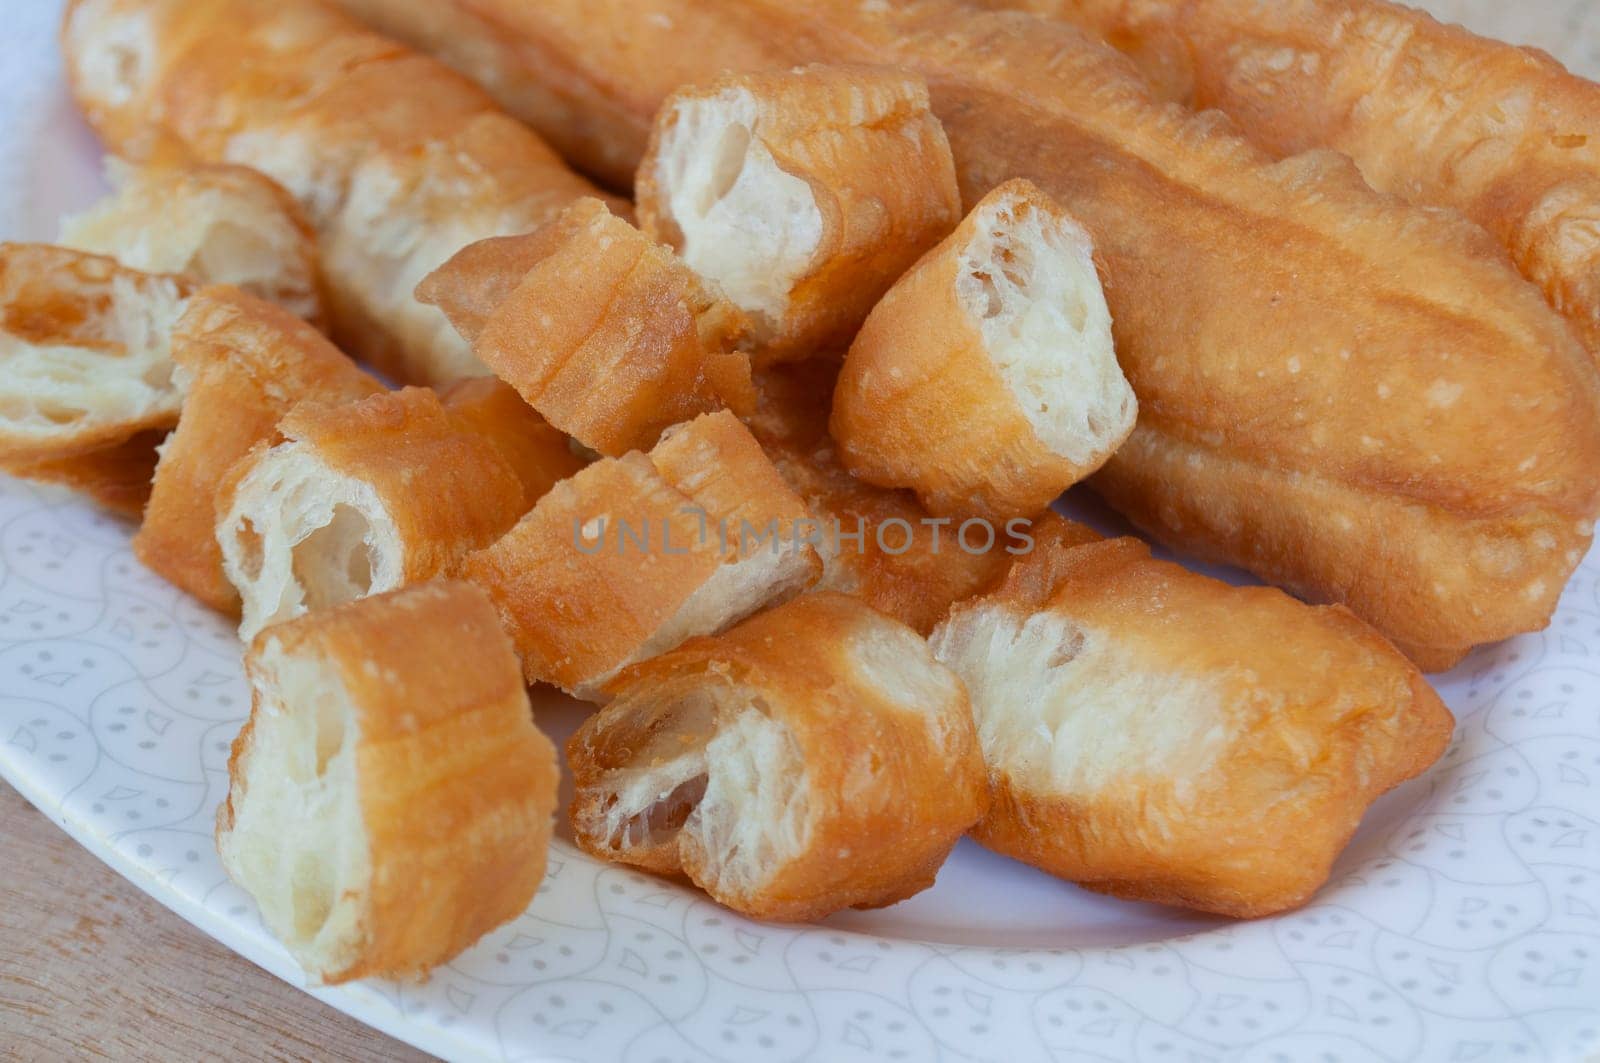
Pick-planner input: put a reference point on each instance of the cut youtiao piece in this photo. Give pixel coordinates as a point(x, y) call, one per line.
point(358, 499)
point(603, 331)
point(85, 352)
point(635, 554)
point(212, 224)
point(241, 363)
point(986, 380)
point(1158, 735)
point(802, 194)
point(813, 758)
point(390, 799)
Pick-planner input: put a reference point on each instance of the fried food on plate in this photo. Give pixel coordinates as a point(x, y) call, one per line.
point(242, 363)
point(539, 454)
point(604, 332)
point(1421, 443)
point(813, 758)
point(85, 353)
point(877, 544)
point(1161, 736)
point(540, 61)
point(803, 194)
point(359, 498)
point(1427, 110)
point(635, 554)
point(213, 224)
point(986, 381)
point(397, 161)
point(387, 808)
point(116, 477)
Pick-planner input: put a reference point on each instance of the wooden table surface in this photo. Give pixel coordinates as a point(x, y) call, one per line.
point(91, 968)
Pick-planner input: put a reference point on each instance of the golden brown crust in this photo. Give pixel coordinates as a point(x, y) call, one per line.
point(1506, 571)
point(86, 353)
point(397, 160)
point(872, 160)
point(116, 478)
point(892, 775)
point(922, 401)
point(921, 565)
point(1420, 105)
point(604, 332)
point(1202, 745)
point(1440, 385)
point(246, 363)
point(448, 490)
point(547, 65)
point(539, 454)
point(457, 786)
point(611, 558)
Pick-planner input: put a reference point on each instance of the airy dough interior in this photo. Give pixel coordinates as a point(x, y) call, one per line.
point(721, 774)
point(300, 536)
point(214, 234)
point(117, 368)
point(120, 65)
point(1064, 711)
point(298, 842)
point(1028, 280)
point(745, 223)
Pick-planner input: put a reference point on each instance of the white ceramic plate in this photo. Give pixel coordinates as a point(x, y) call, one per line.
point(1464, 923)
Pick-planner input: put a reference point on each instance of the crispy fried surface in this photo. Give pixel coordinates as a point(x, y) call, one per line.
point(919, 567)
point(397, 161)
point(116, 478)
point(803, 194)
point(454, 784)
point(1427, 110)
point(539, 454)
point(818, 759)
point(1158, 735)
point(634, 554)
point(1342, 393)
point(604, 332)
point(244, 362)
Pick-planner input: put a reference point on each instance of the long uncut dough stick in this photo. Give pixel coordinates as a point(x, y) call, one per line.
point(397, 161)
point(1427, 110)
point(1352, 397)
point(589, 75)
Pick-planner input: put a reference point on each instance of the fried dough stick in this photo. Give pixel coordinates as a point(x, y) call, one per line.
point(1354, 398)
point(1427, 110)
point(1155, 734)
point(397, 161)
